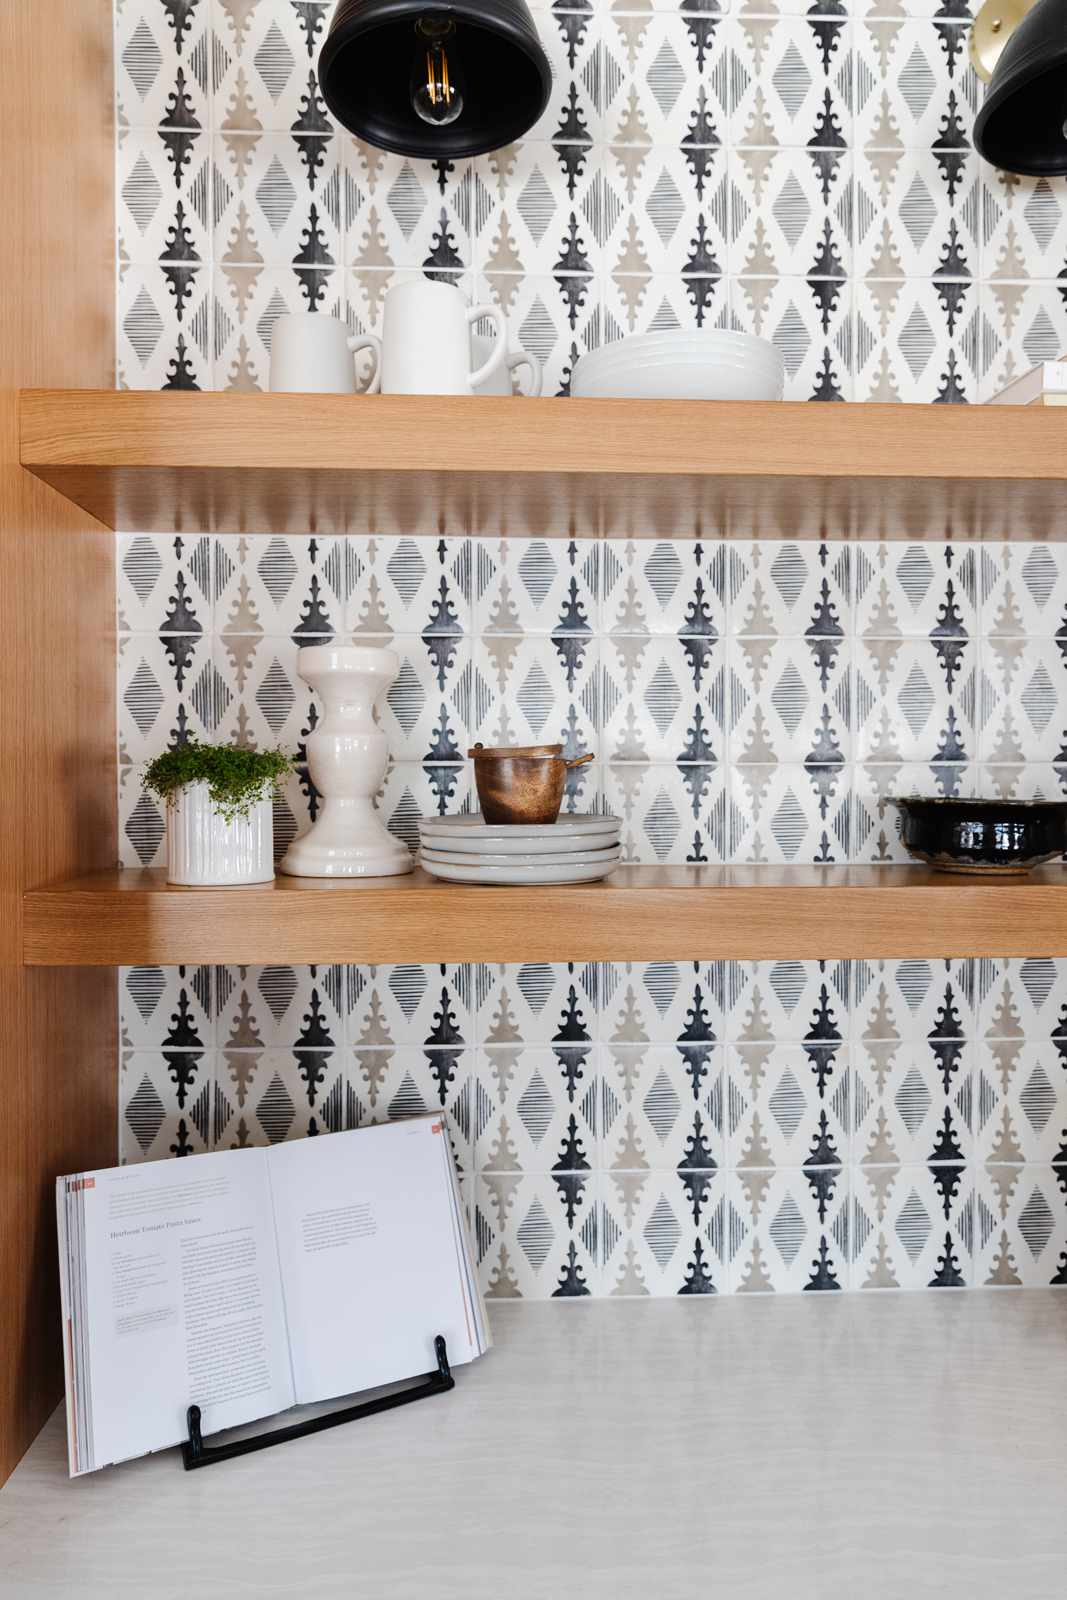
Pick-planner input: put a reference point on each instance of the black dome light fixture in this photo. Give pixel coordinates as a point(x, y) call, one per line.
point(434, 81)
point(1020, 48)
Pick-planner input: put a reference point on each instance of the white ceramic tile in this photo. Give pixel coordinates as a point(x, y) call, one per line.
point(685, 1002)
point(785, 69)
point(652, 1117)
point(671, 815)
point(783, 1243)
point(166, 1103)
point(912, 1228)
point(653, 587)
point(536, 1113)
point(664, 1233)
point(788, 1106)
point(1020, 1227)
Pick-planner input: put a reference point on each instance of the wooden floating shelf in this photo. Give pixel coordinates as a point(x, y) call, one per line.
point(638, 914)
point(329, 464)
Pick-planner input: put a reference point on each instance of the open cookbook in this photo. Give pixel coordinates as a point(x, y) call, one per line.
point(254, 1280)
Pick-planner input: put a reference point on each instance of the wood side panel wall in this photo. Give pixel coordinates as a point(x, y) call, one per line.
point(57, 726)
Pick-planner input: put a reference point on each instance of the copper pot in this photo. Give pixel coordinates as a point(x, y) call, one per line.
point(521, 783)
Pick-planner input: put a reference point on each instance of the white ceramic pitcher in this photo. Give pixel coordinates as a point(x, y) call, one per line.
point(502, 381)
point(311, 353)
point(425, 346)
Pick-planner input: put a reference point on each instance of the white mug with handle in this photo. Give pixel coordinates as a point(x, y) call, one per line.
point(311, 353)
point(426, 341)
point(500, 381)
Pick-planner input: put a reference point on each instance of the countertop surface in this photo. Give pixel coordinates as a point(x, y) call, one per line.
point(857, 1445)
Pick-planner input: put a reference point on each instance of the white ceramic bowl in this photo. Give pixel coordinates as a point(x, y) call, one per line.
point(677, 383)
point(716, 364)
point(680, 365)
point(684, 342)
point(620, 356)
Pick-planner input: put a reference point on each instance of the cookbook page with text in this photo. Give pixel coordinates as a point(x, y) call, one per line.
point(368, 1257)
point(182, 1301)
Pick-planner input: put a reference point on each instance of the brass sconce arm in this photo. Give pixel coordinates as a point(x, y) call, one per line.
point(991, 30)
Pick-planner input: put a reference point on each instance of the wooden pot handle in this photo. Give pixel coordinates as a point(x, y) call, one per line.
point(579, 761)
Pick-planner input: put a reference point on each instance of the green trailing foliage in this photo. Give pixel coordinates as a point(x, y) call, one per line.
point(236, 779)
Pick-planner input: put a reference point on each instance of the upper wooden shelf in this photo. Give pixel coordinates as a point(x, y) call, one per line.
point(638, 914)
point(258, 463)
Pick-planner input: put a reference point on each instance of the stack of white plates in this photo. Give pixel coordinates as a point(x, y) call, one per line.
point(468, 850)
point(711, 364)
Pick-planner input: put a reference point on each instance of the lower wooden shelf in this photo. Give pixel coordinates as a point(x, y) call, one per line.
point(638, 914)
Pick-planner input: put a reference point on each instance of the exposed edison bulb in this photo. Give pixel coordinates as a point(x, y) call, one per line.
point(436, 75)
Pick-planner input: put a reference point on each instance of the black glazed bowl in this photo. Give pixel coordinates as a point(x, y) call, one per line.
point(976, 836)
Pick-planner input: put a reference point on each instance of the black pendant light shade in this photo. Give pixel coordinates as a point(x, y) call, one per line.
point(1020, 127)
point(374, 62)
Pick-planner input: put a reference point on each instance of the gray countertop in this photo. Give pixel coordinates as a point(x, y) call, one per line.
point(854, 1445)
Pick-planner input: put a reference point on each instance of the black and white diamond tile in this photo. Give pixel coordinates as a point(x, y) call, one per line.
point(802, 172)
point(1022, 324)
point(167, 1099)
point(1020, 1224)
point(788, 1106)
point(167, 1006)
point(536, 1236)
point(684, 1002)
point(789, 1230)
point(555, 318)
point(914, 1101)
point(651, 1120)
point(672, 815)
point(164, 326)
point(908, 590)
point(915, 219)
point(793, 82)
point(163, 72)
point(402, 585)
point(274, 586)
point(1024, 592)
point(1019, 1103)
point(665, 1232)
point(658, 586)
point(663, 701)
point(912, 1228)
point(537, 1109)
point(540, 586)
point(163, 215)
point(264, 65)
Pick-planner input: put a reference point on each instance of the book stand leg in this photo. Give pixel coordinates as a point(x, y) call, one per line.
point(195, 1453)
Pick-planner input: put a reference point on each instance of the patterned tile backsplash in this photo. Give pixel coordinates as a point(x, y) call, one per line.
point(670, 1129)
point(665, 1129)
point(802, 171)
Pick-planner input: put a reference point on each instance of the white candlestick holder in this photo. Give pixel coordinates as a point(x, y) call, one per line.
point(347, 756)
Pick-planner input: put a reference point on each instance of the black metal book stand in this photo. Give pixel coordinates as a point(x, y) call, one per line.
point(195, 1453)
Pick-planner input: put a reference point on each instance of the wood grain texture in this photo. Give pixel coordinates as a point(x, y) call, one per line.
point(57, 779)
point(638, 914)
point(617, 468)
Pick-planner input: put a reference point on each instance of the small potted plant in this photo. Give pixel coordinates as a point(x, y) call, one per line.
point(220, 818)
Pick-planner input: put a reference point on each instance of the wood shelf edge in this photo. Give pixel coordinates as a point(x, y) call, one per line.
point(636, 915)
point(420, 433)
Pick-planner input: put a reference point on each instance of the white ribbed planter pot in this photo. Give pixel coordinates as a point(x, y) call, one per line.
point(203, 848)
